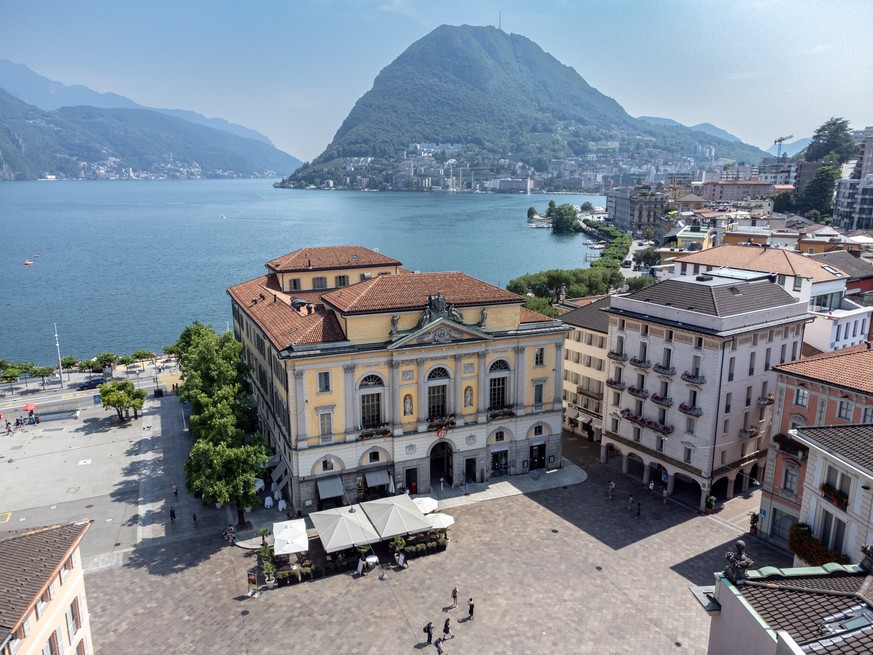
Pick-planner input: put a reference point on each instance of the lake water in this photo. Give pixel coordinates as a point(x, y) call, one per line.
point(125, 265)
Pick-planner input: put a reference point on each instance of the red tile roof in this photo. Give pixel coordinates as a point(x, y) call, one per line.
point(29, 559)
point(329, 258)
point(850, 368)
point(765, 260)
point(530, 316)
point(410, 292)
point(283, 325)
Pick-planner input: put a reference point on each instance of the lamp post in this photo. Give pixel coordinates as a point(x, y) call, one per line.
point(60, 365)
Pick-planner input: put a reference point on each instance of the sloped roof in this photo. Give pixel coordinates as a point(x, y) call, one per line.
point(722, 300)
point(329, 258)
point(29, 558)
point(530, 316)
point(410, 292)
point(852, 442)
point(589, 317)
point(282, 324)
point(846, 261)
point(850, 368)
point(765, 260)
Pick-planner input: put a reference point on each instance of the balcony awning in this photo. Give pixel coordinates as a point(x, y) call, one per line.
point(376, 478)
point(331, 487)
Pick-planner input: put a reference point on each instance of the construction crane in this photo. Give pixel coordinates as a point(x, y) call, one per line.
point(779, 143)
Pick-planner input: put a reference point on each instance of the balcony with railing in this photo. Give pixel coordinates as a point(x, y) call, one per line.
point(374, 432)
point(766, 400)
point(640, 363)
point(664, 370)
point(440, 422)
point(639, 393)
point(691, 410)
point(506, 411)
point(646, 422)
point(688, 376)
point(664, 401)
point(617, 356)
point(614, 384)
point(834, 496)
point(749, 433)
point(790, 447)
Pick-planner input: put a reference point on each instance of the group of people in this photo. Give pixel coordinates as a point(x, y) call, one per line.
point(20, 422)
point(447, 625)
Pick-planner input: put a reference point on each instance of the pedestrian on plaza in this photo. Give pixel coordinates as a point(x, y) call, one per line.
point(172, 515)
point(194, 516)
point(455, 597)
point(630, 503)
point(611, 488)
point(447, 629)
point(665, 494)
point(8, 427)
point(175, 491)
point(470, 607)
point(639, 511)
point(428, 630)
point(439, 646)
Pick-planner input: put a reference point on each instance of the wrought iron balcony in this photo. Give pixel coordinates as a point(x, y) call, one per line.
point(617, 356)
point(500, 412)
point(640, 363)
point(646, 422)
point(639, 393)
point(612, 384)
point(750, 433)
point(688, 376)
point(374, 432)
point(766, 400)
point(691, 410)
point(664, 370)
point(439, 422)
point(661, 400)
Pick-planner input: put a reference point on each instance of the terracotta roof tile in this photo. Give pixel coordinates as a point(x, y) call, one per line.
point(29, 558)
point(765, 260)
point(530, 316)
point(850, 441)
point(410, 292)
point(328, 258)
point(849, 368)
point(283, 325)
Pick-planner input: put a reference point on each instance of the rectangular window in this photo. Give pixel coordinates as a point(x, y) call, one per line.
point(767, 359)
point(689, 425)
point(294, 284)
point(588, 338)
point(374, 457)
point(726, 425)
point(727, 403)
point(790, 478)
point(844, 410)
point(540, 357)
point(319, 283)
point(780, 280)
point(644, 330)
point(755, 339)
point(499, 435)
point(323, 381)
point(801, 397)
point(731, 363)
point(51, 646)
point(832, 531)
point(660, 444)
point(752, 363)
point(621, 324)
point(698, 343)
point(371, 410)
point(614, 424)
point(748, 396)
point(436, 401)
point(637, 434)
point(782, 354)
point(798, 283)
point(325, 424)
point(867, 417)
point(669, 336)
point(686, 455)
point(616, 398)
point(341, 281)
point(497, 392)
point(538, 393)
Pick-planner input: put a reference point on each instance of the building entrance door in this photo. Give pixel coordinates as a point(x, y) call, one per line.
point(441, 464)
point(499, 463)
point(411, 477)
point(470, 470)
point(538, 457)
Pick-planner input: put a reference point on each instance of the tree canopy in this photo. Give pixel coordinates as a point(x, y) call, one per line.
point(832, 140)
point(564, 219)
point(122, 395)
point(818, 194)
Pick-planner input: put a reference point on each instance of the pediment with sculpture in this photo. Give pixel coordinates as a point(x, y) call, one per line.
point(440, 322)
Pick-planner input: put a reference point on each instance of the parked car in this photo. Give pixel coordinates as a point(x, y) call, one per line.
point(92, 384)
point(626, 263)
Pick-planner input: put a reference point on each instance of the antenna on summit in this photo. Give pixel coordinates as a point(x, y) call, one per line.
point(500, 20)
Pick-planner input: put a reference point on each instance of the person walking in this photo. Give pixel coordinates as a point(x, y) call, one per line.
point(665, 494)
point(439, 646)
point(630, 503)
point(455, 597)
point(428, 630)
point(447, 629)
point(639, 511)
point(470, 607)
point(175, 491)
point(172, 515)
point(611, 489)
point(194, 516)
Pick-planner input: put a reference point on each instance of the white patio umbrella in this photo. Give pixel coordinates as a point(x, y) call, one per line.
point(344, 527)
point(259, 485)
point(426, 504)
point(290, 537)
point(395, 515)
point(440, 521)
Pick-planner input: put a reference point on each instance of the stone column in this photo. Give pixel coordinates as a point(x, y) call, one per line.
point(746, 479)
point(421, 410)
point(647, 474)
point(458, 409)
point(625, 463)
point(349, 392)
point(703, 495)
point(558, 385)
point(671, 481)
point(604, 453)
point(396, 401)
point(520, 391)
point(730, 488)
point(301, 406)
point(482, 413)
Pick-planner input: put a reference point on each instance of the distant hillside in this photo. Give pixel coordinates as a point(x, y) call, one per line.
point(657, 120)
point(792, 148)
point(706, 128)
point(502, 94)
point(23, 83)
point(96, 143)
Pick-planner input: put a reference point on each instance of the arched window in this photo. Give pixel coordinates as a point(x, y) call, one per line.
point(498, 385)
point(370, 392)
point(437, 393)
point(790, 477)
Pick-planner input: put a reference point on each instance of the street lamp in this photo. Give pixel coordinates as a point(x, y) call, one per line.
point(60, 365)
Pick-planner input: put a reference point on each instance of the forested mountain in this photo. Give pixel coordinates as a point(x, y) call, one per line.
point(34, 89)
point(95, 143)
point(504, 95)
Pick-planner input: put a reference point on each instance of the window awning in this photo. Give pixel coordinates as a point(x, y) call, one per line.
point(376, 478)
point(330, 487)
point(279, 471)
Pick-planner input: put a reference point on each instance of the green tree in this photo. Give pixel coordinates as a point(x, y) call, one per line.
point(586, 207)
point(223, 473)
point(647, 257)
point(121, 395)
point(101, 361)
point(819, 191)
point(540, 305)
point(70, 361)
point(43, 372)
point(782, 203)
point(531, 212)
point(832, 140)
point(142, 355)
point(10, 375)
point(564, 219)
point(640, 282)
point(217, 421)
point(648, 233)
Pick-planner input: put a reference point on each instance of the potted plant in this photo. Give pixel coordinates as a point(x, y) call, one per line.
point(399, 544)
point(441, 544)
point(754, 517)
point(269, 571)
point(710, 503)
point(263, 533)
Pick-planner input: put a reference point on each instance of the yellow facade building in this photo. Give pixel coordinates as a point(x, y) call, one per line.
point(369, 377)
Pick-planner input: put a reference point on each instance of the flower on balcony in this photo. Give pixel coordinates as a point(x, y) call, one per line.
point(661, 400)
point(693, 410)
point(693, 379)
point(502, 411)
point(439, 422)
point(834, 496)
point(640, 363)
point(664, 370)
point(382, 430)
point(640, 393)
point(614, 354)
point(809, 549)
point(615, 385)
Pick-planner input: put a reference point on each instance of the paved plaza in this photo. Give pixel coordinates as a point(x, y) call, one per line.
point(563, 569)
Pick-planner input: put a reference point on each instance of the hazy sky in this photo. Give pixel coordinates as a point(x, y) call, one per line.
point(293, 69)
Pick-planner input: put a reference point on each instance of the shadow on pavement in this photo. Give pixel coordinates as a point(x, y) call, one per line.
point(699, 569)
point(161, 556)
